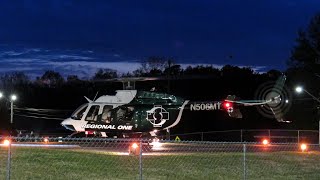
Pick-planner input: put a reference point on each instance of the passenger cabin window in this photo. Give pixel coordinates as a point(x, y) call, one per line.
point(78, 113)
point(106, 114)
point(93, 113)
point(129, 113)
point(124, 114)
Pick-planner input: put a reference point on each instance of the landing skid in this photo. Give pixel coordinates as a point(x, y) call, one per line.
point(74, 133)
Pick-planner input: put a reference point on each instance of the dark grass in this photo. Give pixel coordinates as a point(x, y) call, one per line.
point(35, 163)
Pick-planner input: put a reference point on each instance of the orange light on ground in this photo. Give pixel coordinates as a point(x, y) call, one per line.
point(46, 140)
point(6, 142)
point(134, 149)
point(303, 147)
point(265, 142)
point(134, 145)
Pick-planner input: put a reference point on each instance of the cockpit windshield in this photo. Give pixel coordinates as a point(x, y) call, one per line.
point(78, 113)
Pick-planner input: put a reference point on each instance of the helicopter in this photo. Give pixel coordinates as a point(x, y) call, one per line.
point(136, 113)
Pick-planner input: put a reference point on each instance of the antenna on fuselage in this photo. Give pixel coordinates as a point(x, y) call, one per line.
point(95, 96)
point(128, 84)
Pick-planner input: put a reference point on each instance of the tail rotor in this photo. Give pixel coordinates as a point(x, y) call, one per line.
point(277, 97)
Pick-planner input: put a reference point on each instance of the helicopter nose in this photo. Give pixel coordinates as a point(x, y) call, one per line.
point(69, 127)
point(64, 121)
point(66, 124)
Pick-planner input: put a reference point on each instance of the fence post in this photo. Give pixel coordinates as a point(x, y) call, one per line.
point(140, 160)
point(298, 136)
point(9, 161)
point(201, 136)
point(240, 135)
point(269, 135)
point(244, 162)
point(319, 130)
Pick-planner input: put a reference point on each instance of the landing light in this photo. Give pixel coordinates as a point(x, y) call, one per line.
point(227, 105)
point(156, 144)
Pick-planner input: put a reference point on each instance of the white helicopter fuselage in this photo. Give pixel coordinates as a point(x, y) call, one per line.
point(86, 112)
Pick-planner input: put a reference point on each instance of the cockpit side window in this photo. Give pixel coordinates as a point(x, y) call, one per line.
point(106, 114)
point(78, 113)
point(93, 113)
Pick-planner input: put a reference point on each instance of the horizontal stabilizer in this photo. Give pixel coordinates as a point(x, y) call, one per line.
point(89, 100)
point(235, 113)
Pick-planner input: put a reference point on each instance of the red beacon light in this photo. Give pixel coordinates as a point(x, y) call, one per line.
point(228, 106)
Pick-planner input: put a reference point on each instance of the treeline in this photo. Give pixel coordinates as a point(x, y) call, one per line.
point(150, 68)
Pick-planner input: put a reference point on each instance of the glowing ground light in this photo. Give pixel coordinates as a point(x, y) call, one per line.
point(134, 145)
point(303, 147)
point(6, 142)
point(46, 140)
point(134, 149)
point(265, 142)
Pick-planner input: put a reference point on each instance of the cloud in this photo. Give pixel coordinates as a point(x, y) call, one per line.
point(35, 61)
point(19, 52)
point(70, 57)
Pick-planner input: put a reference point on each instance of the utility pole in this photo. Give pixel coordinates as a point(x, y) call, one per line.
point(169, 74)
point(12, 98)
point(299, 89)
point(318, 113)
point(11, 113)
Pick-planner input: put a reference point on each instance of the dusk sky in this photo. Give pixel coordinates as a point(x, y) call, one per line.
point(80, 36)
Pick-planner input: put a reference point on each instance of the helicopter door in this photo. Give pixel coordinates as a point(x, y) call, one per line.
point(93, 113)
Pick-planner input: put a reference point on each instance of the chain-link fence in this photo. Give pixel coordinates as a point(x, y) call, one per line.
point(256, 135)
point(99, 158)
